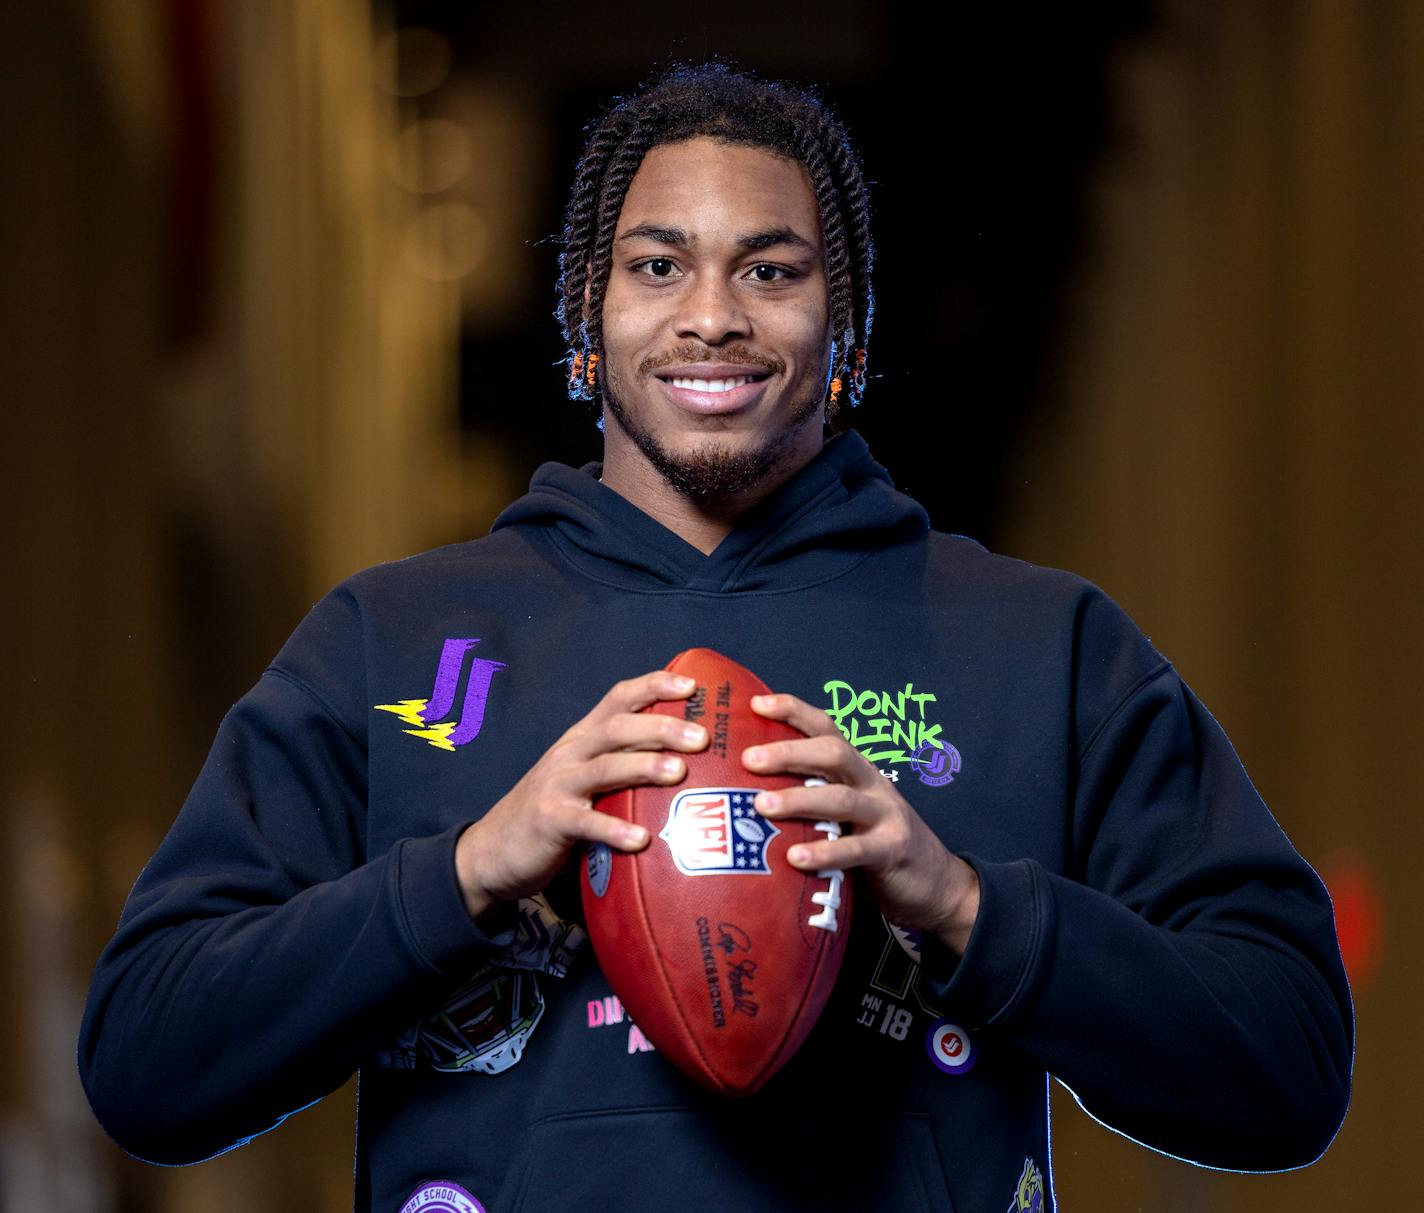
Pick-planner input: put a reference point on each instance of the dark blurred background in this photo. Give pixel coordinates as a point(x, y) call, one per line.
point(277, 305)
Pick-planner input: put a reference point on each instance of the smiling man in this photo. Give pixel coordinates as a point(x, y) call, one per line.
point(1063, 867)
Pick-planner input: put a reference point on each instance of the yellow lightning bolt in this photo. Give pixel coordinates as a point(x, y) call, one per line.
point(409, 710)
point(436, 734)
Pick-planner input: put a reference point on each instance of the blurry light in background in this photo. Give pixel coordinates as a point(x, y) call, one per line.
point(1358, 915)
point(430, 155)
point(413, 61)
point(445, 242)
point(56, 880)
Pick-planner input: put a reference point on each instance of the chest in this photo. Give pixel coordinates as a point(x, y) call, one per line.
point(464, 704)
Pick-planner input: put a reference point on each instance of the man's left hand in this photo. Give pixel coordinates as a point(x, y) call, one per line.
point(917, 881)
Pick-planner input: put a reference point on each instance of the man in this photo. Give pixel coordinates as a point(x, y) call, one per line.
point(1064, 867)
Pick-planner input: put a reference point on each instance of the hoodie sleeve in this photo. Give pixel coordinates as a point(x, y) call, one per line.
point(262, 955)
point(1184, 981)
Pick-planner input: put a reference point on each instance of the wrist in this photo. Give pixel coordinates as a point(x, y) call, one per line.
point(961, 910)
point(479, 903)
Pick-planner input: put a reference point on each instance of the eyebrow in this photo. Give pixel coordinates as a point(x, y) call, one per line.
point(679, 238)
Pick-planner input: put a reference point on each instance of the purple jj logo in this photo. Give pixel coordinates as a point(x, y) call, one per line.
point(428, 714)
point(936, 763)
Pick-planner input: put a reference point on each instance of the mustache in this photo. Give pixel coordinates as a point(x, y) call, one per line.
point(693, 352)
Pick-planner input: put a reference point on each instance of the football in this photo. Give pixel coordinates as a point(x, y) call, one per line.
point(721, 951)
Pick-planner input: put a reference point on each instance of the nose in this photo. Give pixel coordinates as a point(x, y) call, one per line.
point(710, 311)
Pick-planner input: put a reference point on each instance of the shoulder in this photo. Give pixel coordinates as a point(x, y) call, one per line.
point(326, 651)
point(1040, 619)
point(997, 583)
point(438, 567)
point(426, 578)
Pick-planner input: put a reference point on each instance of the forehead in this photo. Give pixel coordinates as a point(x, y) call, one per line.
point(713, 189)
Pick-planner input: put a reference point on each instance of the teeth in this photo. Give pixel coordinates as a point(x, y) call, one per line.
point(712, 385)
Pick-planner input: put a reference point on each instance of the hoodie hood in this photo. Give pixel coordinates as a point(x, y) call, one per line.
point(837, 510)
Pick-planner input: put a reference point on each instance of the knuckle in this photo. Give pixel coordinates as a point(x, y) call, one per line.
point(851, 849)
point(601, 828)
point(670, 728)
point(623, 688)
point(603, 769)
point(663, 765)
point(544, 818)
point(616, 730)
point(897, 839)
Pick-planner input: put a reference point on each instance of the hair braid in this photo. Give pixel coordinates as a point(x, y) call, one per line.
point(620, 176)
point(838, 288)
point(853, 190)
point(574, 260)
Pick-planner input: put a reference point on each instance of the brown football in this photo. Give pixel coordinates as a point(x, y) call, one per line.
point(722, 952)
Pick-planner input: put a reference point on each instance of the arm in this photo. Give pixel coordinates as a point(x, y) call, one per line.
point(1184, 981)
point(259, 959)
point(263, 956)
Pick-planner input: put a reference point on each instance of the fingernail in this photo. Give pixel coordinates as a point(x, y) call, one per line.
point(763, 701)
point(756, 755)
point(768, 800)
point(681, 682)
point(693, 732)
point(634, 834)
point(670, 766)
point(797, 854)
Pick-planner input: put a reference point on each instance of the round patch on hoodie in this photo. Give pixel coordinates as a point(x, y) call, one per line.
point(441, 1198)
point(950, 1047)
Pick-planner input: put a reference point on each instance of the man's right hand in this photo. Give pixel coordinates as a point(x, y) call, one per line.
point(516, 848)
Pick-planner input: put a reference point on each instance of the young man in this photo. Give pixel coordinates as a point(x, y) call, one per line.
point(1064, 868)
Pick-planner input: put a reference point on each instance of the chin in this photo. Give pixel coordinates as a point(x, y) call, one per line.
point(720, 470)
point(725, 463)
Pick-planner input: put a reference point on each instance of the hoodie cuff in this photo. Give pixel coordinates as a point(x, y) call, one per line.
point(991, 978)
point(439, 926)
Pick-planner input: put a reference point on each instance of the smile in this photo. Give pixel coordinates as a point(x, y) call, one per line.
point(707, 396)
point(713, 385)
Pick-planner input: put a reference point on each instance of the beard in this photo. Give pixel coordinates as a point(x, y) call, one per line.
point(713, 469)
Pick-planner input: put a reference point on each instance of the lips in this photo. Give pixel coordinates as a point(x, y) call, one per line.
point(721, 399)
point(708, 388)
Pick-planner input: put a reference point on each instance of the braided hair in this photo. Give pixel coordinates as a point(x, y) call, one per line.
point(716, 100)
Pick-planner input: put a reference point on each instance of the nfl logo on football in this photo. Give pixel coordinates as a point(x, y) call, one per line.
point(715, 831)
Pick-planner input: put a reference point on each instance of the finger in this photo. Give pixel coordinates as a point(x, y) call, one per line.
point(825, 802)
point(589, 825)
point(795, 712)
point(645, 731)
point(635, 694)
point(833, 854)
point(624, 769)
point(630, 696)
point(830, 757)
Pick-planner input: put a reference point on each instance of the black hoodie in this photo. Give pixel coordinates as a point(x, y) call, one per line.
point(1146, 932)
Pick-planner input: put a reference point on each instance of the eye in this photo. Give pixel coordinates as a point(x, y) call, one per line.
point(766, 272)
point(656, 267)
